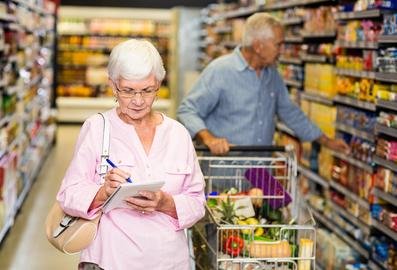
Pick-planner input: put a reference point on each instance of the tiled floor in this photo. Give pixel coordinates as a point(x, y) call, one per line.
point(26, 246)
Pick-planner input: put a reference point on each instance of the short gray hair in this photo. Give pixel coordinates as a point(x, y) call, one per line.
point(135, 59)
point(259, 26)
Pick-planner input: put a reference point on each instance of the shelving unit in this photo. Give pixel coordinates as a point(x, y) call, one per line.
point(26, 84)
point(86, 37)
point(300, 38)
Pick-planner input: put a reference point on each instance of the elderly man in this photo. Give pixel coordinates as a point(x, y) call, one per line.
point(238, 95)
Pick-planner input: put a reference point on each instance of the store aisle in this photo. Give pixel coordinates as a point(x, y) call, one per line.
point(26, 246)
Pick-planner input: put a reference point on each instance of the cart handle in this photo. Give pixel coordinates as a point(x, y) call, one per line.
point(249, 148)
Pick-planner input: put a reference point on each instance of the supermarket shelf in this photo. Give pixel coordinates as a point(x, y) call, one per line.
point(386, 104)
point(229, 44)
point(385, 196)
point(65, 47)
point(386, 77)
point(290, 60)
point(318, 266)
point(340, 233)
point(365, 228)
point(23, 194)
point(385, 163)
point(293, 83)
point(314, 58)
point(348, 193)
point(7, 17)
point(313, 176)
point(355, 73)
point(379, 128)
point(7, 225)
point(77, 109)
point(355, 103)
point(388, 39)
point(356, 132)
point(357, 45)
point(241, 12)
point(374, 266)
point(374, 13)
point(292, 21)
point(112, 35)
point(294, 3)
point(389, 232)
point(223, 29)
point(316, 98)
point(296, 39)
point(353, 161)
point(282, 127)
point(331, 34)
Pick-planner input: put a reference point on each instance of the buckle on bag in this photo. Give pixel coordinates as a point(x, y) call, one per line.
point(65, 223)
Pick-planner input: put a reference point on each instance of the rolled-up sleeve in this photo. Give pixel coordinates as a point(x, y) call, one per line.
point(78, 187)
point(293, 116)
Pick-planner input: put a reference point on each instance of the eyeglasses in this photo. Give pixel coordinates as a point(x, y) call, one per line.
point(146, 93)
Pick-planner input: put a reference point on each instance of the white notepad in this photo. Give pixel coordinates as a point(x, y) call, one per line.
point(117, 199)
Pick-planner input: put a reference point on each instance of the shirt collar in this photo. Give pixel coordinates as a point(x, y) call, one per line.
point(241, 63)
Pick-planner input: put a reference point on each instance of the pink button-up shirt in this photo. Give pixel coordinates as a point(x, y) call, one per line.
point(126, 238)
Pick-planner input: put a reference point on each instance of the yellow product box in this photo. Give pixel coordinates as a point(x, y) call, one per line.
point(325, 161)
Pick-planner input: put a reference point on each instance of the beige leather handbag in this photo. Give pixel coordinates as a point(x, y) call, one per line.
point(73, 234)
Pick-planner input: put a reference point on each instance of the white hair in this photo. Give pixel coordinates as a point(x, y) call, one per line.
point(135, 59)
point(259, 26)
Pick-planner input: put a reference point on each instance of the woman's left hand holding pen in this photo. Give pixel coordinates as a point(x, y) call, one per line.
point(113, 179)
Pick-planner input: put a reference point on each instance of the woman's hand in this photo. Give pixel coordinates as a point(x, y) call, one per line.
point(114, 178)
point(149, 201)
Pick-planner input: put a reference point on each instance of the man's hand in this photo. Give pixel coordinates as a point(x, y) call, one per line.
point(334, 144)
point(218, 146)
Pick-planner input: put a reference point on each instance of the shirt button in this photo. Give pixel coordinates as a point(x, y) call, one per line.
point(272, 94)
point(259, 140)
point(260, 122)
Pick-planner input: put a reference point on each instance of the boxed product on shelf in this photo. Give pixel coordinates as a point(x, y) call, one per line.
point(326, 159)
point(386, 91)
point(319, 20)
point(355, 31)
point(387, 119)
point(387, 149)
point(358, 119)
point(324, 117)
point(320, 79)
point(362, 89)
point(387, 62)
point(8, 184)
point(384, 252)
point(365, 61)
point(386, 180)
point(390, 24)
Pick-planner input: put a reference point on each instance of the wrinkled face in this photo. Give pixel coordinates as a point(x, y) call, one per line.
point(268, 50)
point(136, 97)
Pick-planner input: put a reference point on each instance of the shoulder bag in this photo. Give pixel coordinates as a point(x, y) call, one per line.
point(71, 234)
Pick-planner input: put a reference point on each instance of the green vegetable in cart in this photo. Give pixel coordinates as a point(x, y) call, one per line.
point(270, 214)
point(234, 245)
point(212, 203)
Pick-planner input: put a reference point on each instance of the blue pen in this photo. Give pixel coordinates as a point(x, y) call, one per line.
point(114, 166)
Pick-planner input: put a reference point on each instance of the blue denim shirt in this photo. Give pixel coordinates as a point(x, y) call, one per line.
point(231, 101)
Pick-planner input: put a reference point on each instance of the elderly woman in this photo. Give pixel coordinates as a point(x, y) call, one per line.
point(145, 145)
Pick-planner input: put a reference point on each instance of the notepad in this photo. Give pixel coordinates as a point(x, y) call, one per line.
point(117, 199)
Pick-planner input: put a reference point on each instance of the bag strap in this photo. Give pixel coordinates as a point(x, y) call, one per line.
point(103, 168)
point(67, 220)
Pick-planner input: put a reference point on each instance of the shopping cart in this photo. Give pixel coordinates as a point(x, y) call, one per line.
point(254, 218)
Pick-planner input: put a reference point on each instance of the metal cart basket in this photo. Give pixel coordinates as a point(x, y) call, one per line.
point(254, 219)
